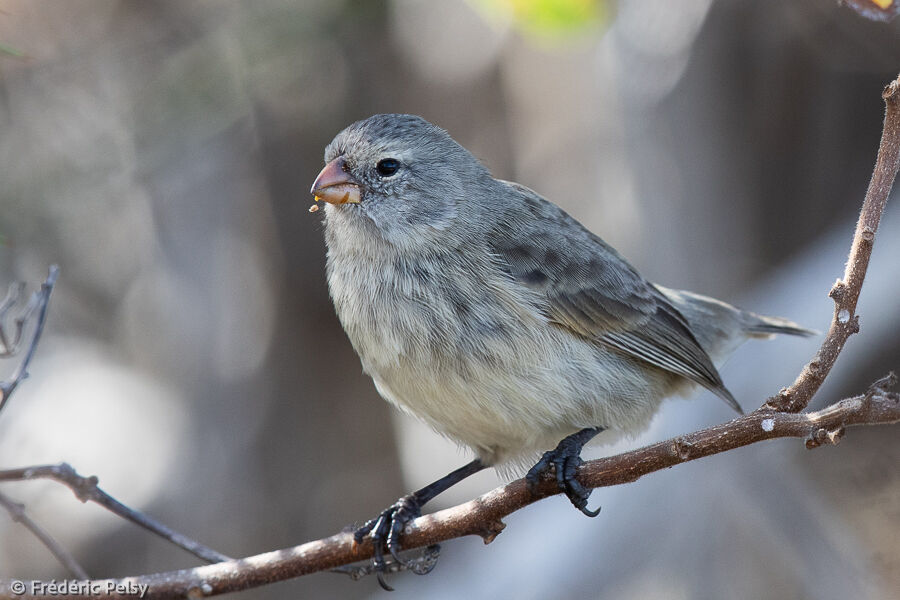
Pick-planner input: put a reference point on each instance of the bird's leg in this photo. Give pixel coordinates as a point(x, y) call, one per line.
point(565, 460)
point(387, 527)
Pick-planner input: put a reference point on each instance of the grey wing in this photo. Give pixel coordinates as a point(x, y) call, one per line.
point(587, 287)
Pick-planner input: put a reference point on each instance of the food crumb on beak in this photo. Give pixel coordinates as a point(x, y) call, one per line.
point(314, 208)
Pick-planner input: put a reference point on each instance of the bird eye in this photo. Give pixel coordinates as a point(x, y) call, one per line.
point(387, 166)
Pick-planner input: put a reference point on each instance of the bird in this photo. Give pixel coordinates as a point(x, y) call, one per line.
point(489, 313)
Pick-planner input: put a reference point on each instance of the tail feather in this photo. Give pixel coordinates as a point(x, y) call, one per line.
point(723, 393)
point(763, 327)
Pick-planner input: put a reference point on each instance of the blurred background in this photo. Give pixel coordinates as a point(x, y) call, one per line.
point(161, 153)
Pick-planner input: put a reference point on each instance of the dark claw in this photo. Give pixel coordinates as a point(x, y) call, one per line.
point(363, 531)
point(422, 564)
point(574, 489)
point(533, 477)
point(384, 585)
point(386, 530)
point(565, 460)
point(560, 467)
point(393, 536)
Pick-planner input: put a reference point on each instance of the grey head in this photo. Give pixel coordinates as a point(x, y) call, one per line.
point(399, 173)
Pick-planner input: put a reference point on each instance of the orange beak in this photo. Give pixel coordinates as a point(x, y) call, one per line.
point(335, 185)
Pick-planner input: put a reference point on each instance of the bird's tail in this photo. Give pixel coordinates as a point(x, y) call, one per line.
point(759, 326)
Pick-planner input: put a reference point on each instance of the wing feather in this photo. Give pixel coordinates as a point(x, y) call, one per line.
point(587, 287)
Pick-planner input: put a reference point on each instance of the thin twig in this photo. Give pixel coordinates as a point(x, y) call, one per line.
point(39, 302)
point(845, 292)
point(12, 297)
point(483, 516)
point(16, 510)
point(87, 490)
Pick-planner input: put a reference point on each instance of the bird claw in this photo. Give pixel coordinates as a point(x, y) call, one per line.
point(564, 460)
point(420, 565)
point(386, 529)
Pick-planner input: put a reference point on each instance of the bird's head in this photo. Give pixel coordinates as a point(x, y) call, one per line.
point(404, 175)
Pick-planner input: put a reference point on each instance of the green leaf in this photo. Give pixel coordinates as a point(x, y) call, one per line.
point(9, 50)
point(553, 19)
point(876, 10)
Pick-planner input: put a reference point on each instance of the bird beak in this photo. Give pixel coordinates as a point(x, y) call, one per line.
point(335, 185)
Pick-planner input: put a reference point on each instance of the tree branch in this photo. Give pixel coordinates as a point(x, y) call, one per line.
point(16, 510)
point(845, 292)
point(86, 489)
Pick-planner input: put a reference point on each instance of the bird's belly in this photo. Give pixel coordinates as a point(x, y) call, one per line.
point(486, 414)
point(511, 409)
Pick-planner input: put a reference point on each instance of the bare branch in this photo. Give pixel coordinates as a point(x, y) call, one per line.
point(17, 511)
point(845, 292)
point(39, 302)
point(86, 489)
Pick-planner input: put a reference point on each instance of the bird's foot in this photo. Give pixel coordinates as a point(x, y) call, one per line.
point(420, 564)
point(565, 460)
point(386, 530)
point(387, 527)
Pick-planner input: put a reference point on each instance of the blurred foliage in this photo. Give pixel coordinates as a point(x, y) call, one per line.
point(877, 10)
point(10, 51)
point(550, 19)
